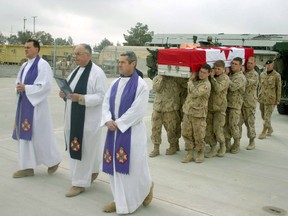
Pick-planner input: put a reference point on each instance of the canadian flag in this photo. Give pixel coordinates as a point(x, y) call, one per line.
point(194, 58)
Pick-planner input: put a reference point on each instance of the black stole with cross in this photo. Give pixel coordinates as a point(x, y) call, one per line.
point(77, 118)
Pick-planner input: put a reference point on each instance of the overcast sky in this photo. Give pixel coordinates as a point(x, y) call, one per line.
point(90, 21)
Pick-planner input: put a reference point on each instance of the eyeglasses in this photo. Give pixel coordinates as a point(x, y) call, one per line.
point(78, 54)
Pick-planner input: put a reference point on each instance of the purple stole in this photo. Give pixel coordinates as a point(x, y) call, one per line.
point(123, 140)
point(25, 110)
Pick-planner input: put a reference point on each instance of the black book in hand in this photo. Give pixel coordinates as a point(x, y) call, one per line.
point(63, 85)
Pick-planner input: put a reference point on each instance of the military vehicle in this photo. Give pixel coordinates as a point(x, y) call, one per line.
point(281, 66)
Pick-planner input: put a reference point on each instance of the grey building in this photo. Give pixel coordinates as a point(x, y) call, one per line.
point(256, 41)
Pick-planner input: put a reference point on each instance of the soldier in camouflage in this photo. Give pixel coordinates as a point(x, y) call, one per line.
point(195, 111)
point(63, 66)
point(269, 96)
point(217, 106)
point(234, 104)
point(249, 102)
point(165, 112)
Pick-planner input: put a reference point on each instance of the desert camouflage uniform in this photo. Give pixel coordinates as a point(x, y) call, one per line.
point(249, 104)
point(63, 67)
point(234, 104)
point(217, 106)
point(195, 111)
point(165, 110)
point(269, 96)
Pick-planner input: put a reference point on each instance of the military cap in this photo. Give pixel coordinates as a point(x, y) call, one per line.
point(269, 62)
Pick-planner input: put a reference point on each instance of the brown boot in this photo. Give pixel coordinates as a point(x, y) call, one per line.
point(155, 151)
point(228, 145)
point(23, 173)
point(235, 147)
point(149, 197)
point(251, 144)
point(188, 157)
point(263, 133)
point(53, 168)
point(200, 156)
point(222, 150)
point(109, 208)
point(212, 152)
point(171, 150)
point(74, 191)
point(269, 131)
point(94, 176)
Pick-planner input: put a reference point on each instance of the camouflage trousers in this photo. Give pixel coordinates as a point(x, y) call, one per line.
point(172, 124)
point(231, 128)
point(266, 112)
point(248, 117)
point(193, 132)
point(214, 129)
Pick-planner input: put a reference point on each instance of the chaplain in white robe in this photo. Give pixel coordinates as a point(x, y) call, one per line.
point(33, 123)
point(85, 160)
point(131, 184)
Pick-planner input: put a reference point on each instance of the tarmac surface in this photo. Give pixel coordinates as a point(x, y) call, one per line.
point(249, 183)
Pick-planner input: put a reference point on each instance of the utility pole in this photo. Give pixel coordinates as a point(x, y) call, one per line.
point(34, 17)
point(24, 23)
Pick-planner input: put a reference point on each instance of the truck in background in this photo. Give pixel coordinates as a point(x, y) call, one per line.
point(281, 66)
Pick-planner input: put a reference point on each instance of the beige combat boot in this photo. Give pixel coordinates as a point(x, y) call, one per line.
point(172, 149)
point(188, 157)
point(269, 131)
point(149, 197)
point(228, 145)
point(155, 151)
point(212, 152)
point(236, 146)
point(94, 177)
point(263, 133)
point(53, 169)
point(222, 150)
point(200, 156)
point(251, 144)
point(74, 191)
point(23, 173)
point(109, 208)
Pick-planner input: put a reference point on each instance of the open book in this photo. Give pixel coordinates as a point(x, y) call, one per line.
point(63, 85)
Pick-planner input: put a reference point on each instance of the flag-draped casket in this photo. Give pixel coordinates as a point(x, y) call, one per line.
point(181, 62)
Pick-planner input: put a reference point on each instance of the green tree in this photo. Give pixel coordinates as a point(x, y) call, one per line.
point(24, 36)
point(2, 38)
point(12, 40)
point(61, 41)
point(44, 38)
point(138, 35)
point(105, 42)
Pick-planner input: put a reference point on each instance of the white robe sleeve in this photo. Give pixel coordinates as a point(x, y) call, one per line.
point(96, 88)
point(39, 91)
point(18, 79)
point(137, 110)
point(106, 114)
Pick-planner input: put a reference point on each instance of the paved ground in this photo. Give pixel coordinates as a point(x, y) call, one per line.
point(237, 185)
point(8, 70)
